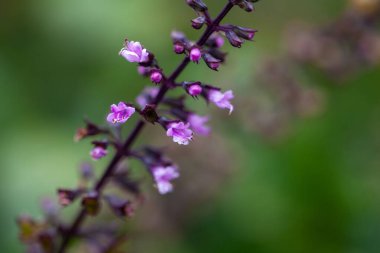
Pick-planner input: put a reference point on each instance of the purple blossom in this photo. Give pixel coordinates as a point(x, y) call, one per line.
point(180, 132)
point(147, 94)
point(221, 100)
point(98, 152)
point(156, 76)
point(142, 70)
point(194, 89)
point(120, 113)
point(219, 41)
point(134, 52)
point(197, 124)
point(195, 54)
point(163, 177)
point(179, 47)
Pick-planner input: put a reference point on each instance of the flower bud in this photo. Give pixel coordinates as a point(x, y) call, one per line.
point(144, 71)
point(91, 203)
point(156, 76)
point(195, 54)
point(178, 36)
point(198, 22)
point(193, 89)
point(149, 113)
point(119, 206)
point(179, 47)
point(245, 33)
point(211, 62)
point(67, 196)
point(197, 5)
point(98, 152)
point(234, 40)
point(90, 130)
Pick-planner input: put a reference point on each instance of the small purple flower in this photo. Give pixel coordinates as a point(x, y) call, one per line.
point(163, 177)
point(194, 89)
point(120, 113)
point(98, 152)
point(195, 54)
point(156, 76)
point(221, 100)
point(179, 47)
point(219, 41)
point(134, 52)
point(142, 70)
point(146, 95)
point(197, 124)
point(180, 132)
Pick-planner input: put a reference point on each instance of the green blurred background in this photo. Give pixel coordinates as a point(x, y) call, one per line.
point(317, 190)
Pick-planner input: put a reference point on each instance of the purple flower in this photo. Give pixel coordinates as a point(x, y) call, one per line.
point(156, 76)
point(98, 152)
point(146, 95)
point(120, 113)
point(180, 132)
point(194, 89)
point(163, 177)
point(221, 100)
point(195, 54)
point(197, 124)
point(179, 47)
point(142, 70)
point(134, 52)
point(219, 41)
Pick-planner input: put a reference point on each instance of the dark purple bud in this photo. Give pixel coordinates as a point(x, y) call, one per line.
point(245, 4)
point(211, 62)
point(46, 240)
point(245, 33)
point(233, 39)
point(216, 53)
point(91, 203)
point(198, 22)
point(124, 182)
point(86, 171)
point(120, 207)
point(195, 54)
point(178, 36)
point(193, 89)
point(156, 76)
point(90, 130)
point(179, 47)
point(67, 196)
point(176, 102)
point(197, 5)
point(149, 113)
point(100, 150)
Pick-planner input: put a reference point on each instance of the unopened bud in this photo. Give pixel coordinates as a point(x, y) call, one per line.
point(211, 62)
point(233, 39)
point(197, 5)
point(156, 76)
point(91, 203)
point(198, 22)
point(195, 54)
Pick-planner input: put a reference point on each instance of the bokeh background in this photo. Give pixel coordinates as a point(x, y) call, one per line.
point(314, 189)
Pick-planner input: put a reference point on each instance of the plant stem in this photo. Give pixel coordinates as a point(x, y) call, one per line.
point(138, 128)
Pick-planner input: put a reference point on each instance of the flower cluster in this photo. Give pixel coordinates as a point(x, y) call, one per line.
point(153, 106)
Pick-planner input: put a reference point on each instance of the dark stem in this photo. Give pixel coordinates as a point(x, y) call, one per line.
point(139, 126)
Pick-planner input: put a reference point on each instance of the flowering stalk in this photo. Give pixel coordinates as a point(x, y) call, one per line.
point(179, 124)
